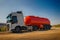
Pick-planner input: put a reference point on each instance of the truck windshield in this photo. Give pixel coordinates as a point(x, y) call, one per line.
point(8, 18)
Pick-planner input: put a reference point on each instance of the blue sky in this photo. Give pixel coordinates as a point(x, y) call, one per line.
point(43, 8)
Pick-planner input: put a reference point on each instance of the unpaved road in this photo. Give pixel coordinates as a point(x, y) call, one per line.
point(53, 34)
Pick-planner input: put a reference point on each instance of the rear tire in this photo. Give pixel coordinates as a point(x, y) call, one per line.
point(47, 27)
point(35, 28)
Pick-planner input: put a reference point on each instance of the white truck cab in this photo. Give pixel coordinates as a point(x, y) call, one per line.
point(16, 20)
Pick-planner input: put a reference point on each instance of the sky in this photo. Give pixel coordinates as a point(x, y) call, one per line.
point(43, 8)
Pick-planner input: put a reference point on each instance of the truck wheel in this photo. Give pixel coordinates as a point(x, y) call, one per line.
point(47, 27)
point(35, 28)
point(17, 29)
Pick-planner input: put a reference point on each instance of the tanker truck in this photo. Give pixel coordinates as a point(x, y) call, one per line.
point(18, 23)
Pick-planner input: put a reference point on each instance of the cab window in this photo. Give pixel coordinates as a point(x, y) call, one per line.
point(14, 19)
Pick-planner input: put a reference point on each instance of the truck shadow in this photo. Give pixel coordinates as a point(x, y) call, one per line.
point(32, 31)
point(2, 33)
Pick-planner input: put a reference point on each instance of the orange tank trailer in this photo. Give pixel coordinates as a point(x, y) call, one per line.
point(34, 20)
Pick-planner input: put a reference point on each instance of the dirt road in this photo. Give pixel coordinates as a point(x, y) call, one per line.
point(53, 34)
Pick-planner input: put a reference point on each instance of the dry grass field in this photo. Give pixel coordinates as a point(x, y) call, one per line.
point(53, 34)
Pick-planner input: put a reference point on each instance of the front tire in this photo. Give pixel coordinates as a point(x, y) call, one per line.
point(47, 27)
point(16, 30)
